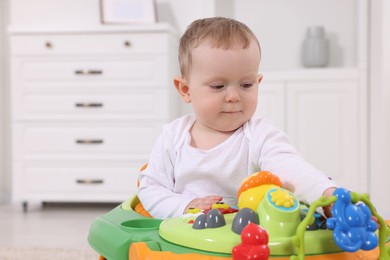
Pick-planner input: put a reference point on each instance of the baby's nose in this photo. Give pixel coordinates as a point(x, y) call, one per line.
point(232, 95)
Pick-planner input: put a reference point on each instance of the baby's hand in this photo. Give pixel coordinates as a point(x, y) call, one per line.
point(203, 203)
point(376, 220)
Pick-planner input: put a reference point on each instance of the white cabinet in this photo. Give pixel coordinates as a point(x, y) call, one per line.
point(86, 109)
point(323, 124)
point(321, 111)
point(271, 103)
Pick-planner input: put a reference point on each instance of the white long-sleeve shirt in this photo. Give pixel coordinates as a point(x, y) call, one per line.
point(177, 172)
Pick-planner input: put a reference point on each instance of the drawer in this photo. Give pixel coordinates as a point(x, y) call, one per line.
point(85, 179)
point(131, 71)
point(122, 43)
point(153, 104)
point(92, 141)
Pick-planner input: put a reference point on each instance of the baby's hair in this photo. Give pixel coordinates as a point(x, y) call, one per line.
point(221, 32)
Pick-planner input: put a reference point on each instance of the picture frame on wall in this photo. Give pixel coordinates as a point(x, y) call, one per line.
point(128, 11)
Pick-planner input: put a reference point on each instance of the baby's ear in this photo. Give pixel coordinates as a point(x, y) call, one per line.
point(259, 78)
point(183, 88)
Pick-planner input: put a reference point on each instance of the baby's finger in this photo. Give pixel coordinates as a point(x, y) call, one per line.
point(376, 221)
point(213, 198)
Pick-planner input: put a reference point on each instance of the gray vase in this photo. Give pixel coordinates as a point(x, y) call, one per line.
point(315, 51)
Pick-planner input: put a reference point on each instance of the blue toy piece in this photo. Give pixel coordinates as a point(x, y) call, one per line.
point(352, 224)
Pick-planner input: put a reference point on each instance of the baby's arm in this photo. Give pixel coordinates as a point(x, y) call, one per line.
point(156, 191)
point(157, 182)
point(203, 203)
point(277, 155)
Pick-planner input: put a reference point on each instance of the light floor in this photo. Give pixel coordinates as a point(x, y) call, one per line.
point(53, 225)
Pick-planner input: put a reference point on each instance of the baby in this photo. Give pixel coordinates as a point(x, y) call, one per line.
point(201, 158)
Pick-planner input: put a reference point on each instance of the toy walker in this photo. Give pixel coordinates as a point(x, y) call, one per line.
point(269, 223)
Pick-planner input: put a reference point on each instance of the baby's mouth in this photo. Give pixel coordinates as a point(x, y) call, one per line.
point(231, 112)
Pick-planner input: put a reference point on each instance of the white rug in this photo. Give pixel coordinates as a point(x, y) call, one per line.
point(40, 253)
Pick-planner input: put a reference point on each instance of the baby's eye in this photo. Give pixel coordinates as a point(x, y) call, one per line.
point(246, 85)
point(217, 87)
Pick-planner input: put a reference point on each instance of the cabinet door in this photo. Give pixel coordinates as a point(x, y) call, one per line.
point(95, 181)
point(272, 103)
point(85, 72)
point(99, 141)
point(323, 124)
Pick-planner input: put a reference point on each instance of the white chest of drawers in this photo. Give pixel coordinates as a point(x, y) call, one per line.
point(86, 108)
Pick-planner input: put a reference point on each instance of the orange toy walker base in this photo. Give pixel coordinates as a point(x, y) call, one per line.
point(140, 251)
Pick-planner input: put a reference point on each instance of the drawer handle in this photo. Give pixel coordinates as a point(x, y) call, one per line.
point(89, 181)
point(48, 45)
point(88, 105)
point(88, 72)
point(127, 44)
point(89, 141)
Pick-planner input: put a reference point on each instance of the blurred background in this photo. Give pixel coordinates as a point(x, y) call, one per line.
point(83, 96)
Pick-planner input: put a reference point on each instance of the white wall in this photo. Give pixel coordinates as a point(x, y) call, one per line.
point(281, 26)
point(54, 13)
point(180, 13)
point(2, 103)
point(380, 105)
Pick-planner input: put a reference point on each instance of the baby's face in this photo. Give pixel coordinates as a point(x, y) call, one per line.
point(223, 85)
